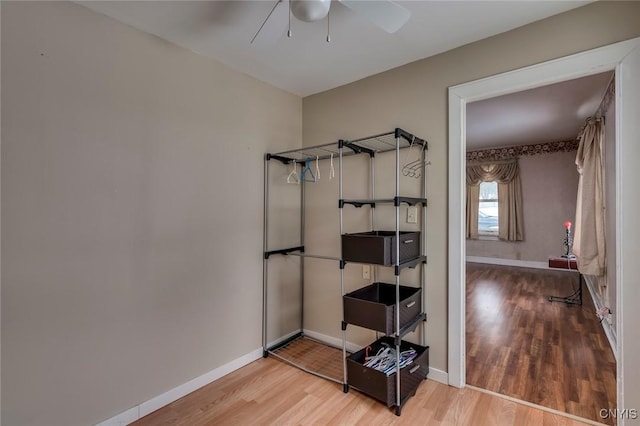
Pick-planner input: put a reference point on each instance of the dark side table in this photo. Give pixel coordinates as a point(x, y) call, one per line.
point(570, 264)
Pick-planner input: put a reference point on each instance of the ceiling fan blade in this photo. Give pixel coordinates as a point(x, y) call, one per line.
point(386, 14)
point(274, 26)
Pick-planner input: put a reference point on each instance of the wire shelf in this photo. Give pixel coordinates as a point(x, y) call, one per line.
point(383, 142)
point(312, 356)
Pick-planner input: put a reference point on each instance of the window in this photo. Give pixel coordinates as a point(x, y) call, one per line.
point(488, 209)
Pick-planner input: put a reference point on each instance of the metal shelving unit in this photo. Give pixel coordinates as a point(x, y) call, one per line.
point(394, 141)
point(391, 142)
point(321, 152)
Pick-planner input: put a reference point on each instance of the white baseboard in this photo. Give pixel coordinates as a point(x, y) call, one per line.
point(508, 262)
point(124, 418)
point(611, 336)
point(608, 328)
point(438, 376)
point(178, 392)
point(147, 407)
point(331, 341)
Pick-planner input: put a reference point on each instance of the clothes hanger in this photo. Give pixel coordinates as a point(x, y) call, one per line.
point(307, 169)
point(414, 168)
point(317, 167)
point(293, 176)
point(332, 171)
point(406, 169)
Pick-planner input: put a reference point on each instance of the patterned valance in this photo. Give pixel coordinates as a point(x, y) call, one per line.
point(608, 97)
point(518, 151)
point(501, 172)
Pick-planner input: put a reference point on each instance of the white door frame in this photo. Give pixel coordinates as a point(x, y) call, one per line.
point(567, 68)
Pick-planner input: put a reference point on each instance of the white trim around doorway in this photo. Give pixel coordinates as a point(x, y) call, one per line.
point(578, 65)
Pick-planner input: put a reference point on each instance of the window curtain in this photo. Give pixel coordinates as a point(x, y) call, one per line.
point(589, 236)
point(473, 201)
point(510, 213)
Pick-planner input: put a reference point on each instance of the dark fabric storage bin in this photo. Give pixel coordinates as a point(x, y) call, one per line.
point(377, 384)
point(379, 247)
point(374, 306)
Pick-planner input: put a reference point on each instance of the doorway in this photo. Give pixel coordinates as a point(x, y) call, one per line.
point(519, 344)
point(624, 58)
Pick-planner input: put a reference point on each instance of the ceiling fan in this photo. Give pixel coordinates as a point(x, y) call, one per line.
point(386, 14)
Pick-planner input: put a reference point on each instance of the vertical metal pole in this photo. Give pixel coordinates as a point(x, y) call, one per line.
point(265, 268)
point(302, 258)
point(340, 149)
point(423, 272)
point(397, 273)
point(372, 194)
point(372, 163)
point(372, 189)
point(340, 194)
point(344, 331)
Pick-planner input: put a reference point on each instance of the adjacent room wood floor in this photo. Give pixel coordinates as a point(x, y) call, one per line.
point(270, 392)
point(521, 345)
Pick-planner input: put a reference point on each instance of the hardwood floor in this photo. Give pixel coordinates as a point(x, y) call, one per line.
point(521, 345)
point(269, 391)
point(518, 344)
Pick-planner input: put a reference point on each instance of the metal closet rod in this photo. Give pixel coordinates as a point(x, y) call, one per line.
point(285, 158)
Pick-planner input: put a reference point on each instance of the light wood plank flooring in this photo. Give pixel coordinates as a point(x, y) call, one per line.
point(521, 345)
point(269, 391)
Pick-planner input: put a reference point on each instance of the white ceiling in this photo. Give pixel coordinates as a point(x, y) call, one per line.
point(556, 112)
point(306, 63)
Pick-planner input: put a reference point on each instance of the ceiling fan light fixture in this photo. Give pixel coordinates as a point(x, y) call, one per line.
point(310, 10)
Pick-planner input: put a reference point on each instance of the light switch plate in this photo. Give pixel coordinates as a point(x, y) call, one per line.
point(366, 272)
point(412, 214)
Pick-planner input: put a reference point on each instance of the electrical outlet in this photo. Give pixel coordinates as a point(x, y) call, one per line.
point(366, 272)
point(412, 214)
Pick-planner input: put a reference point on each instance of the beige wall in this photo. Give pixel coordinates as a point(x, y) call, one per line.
point(132, 197)
point(415, 97)
point(549, 189)
point(132, 213)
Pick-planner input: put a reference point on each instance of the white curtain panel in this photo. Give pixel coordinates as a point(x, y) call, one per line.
point(589, 238)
